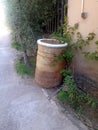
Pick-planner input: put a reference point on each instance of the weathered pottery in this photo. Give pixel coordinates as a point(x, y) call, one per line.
point(47, 72)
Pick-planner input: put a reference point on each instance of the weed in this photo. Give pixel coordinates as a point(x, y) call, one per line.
point(62, 95)
point(16, 45)
point(75, 97)
point(22, 69)
point(66, 72)
point(79, 109)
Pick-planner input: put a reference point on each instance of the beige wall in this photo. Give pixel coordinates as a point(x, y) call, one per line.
point(90, 24)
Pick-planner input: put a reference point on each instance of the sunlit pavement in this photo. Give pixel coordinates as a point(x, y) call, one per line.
point(23, 106)
point(4, 30)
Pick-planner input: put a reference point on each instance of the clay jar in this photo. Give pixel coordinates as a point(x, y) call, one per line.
point(47, 72)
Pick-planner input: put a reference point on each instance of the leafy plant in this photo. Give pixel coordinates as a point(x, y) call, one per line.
point(22, 69)
point(25, 25)
point(69, 33)
point(79, 109)
point(96, 42)
point(91, 56)
point(16, 45)
point(66, 72)
point(75, 97)
point(92, 101)
point(62, 95)
point(71, 90)
point(67, 55)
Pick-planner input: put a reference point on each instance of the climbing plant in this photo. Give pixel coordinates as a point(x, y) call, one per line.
point(70, 92)
point(76, 41)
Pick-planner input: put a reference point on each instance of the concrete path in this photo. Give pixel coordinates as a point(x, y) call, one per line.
point(23, 105)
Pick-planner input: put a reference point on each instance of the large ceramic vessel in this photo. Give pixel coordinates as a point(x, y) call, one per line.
point(47, 72)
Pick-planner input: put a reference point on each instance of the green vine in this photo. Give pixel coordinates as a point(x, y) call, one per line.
point(69, 33)
point(91, 56)
point(70, 91)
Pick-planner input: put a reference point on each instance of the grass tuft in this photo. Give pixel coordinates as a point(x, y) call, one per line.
point(16, 45)
point(62, 95)
point(22, 69)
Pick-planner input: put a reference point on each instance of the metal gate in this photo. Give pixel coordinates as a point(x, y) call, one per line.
point(57, 19)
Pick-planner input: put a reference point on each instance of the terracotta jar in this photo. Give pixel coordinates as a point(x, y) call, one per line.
point(47, 72)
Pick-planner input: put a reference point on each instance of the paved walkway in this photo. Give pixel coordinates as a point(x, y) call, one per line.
point(23, 106)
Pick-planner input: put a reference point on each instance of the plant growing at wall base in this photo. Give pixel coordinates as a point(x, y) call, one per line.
point(62, 95)
point(74, 95)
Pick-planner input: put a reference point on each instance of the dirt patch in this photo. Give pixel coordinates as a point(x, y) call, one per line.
point(51, 41)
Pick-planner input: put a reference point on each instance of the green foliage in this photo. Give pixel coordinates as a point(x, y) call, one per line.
point(66, 72)
point(18, 19)
point(91, 56)
point(68, 56)
point(92, 101)
point(34, 12)
point(96, 42)
point(27, 18)
point(16, 45)
point(22, 69)
point(91, 36)
point(59, 35)
point(75, 97)
point(71, 90)
point(80, 43)
point(32, 61)
point(69, 33)
point(79, 109)
point(62, 95)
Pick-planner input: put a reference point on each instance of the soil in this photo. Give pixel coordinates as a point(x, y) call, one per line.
point(51, 41)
